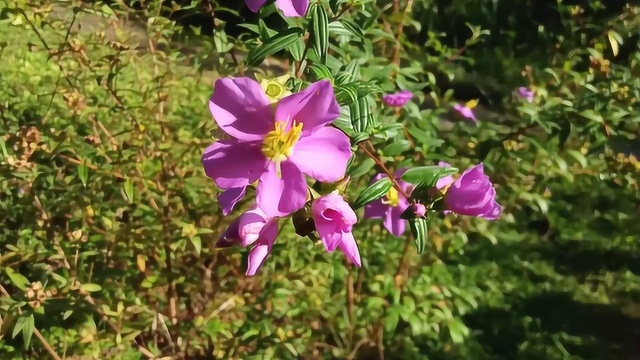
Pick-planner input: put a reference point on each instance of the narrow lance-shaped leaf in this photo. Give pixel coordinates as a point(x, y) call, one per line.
point(374, 192)
point(427, 174)
point(320, 31)
point(273, 45)
point(419, 229)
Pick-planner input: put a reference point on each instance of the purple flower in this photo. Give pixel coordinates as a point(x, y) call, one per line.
point(275, 145)
point(473, 194)
point(390, 207)
point(253, 228)
point(445, 181)
point(525, 93)
point(398, 99)
point(290, 8)
point(466, 110)
point(334, 221)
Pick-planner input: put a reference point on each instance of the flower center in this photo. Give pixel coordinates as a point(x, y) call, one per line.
point(393, 198)
point(279, 143)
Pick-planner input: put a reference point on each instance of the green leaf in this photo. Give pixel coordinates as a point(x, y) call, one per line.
point(197, 243)
point(297, 49)
point(361, 117)
point(320, 71)
point(374, 192)
point(17, 279)
point(396, 148)
point(419, 229)
point(27, 330)
point(362, 168)
point(83, 174)
point(353, 28)
point(320, 31)
point(427, 175)
point(391, 321)
point(274, 44)
point(25, 325)
point(90, 287)
point(128, 190)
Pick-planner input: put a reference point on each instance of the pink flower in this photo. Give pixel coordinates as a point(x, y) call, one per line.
point(525, 93)
point(290, 8)
point(390, 207)
point(473, 194)
point(253, 228)
point(445, 181)
point(398, 99)
point(229, 198)
point(466, 110)
point(275, 145)
point(334, 221)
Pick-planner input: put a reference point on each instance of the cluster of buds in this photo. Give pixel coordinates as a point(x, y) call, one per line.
point(36, 294)
point(28, 141)
point(600, 64)
point(76, 101)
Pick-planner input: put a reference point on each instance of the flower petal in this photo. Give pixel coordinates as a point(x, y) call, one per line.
point(375, 210)
point(259, 253)
point(349, 247)
point(445, 181)
point(251, 225)
point(329, 234)
point(229, 198)
point(281, 196)
point(255, 5)
point(314, 107)
point(231, 236)
point(293, 8)
point(393, 222)
point(323, 155)
point(241, 109)
point(233, 164)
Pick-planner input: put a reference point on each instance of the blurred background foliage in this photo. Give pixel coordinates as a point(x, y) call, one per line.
point(108, 222)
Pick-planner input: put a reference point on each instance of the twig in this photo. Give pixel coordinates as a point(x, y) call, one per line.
point(396, 53)
point(382, 167)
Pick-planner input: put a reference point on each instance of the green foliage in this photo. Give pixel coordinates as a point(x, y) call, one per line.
point(109, 222)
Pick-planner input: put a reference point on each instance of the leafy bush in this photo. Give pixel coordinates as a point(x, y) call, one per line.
point(110, 224)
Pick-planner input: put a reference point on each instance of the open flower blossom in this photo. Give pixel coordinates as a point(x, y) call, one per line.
point(525, 93)
point(473, 194)
point(391, 206)
point(275, 144)
point(252, 228)
point(398, 99)
point(290, 8)
point(466, 110)
point(334, 221)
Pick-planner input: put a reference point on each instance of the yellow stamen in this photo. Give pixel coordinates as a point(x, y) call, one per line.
point(393, 198)
point(279, 143)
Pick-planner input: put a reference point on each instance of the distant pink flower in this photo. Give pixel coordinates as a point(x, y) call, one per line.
point(334, 221)
point(290, 8)
point(253, 228)
point(274, 146)
point(466, 110)
point(390, 207)
point(526, 93)
point(473, 194)
point(398, 99)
